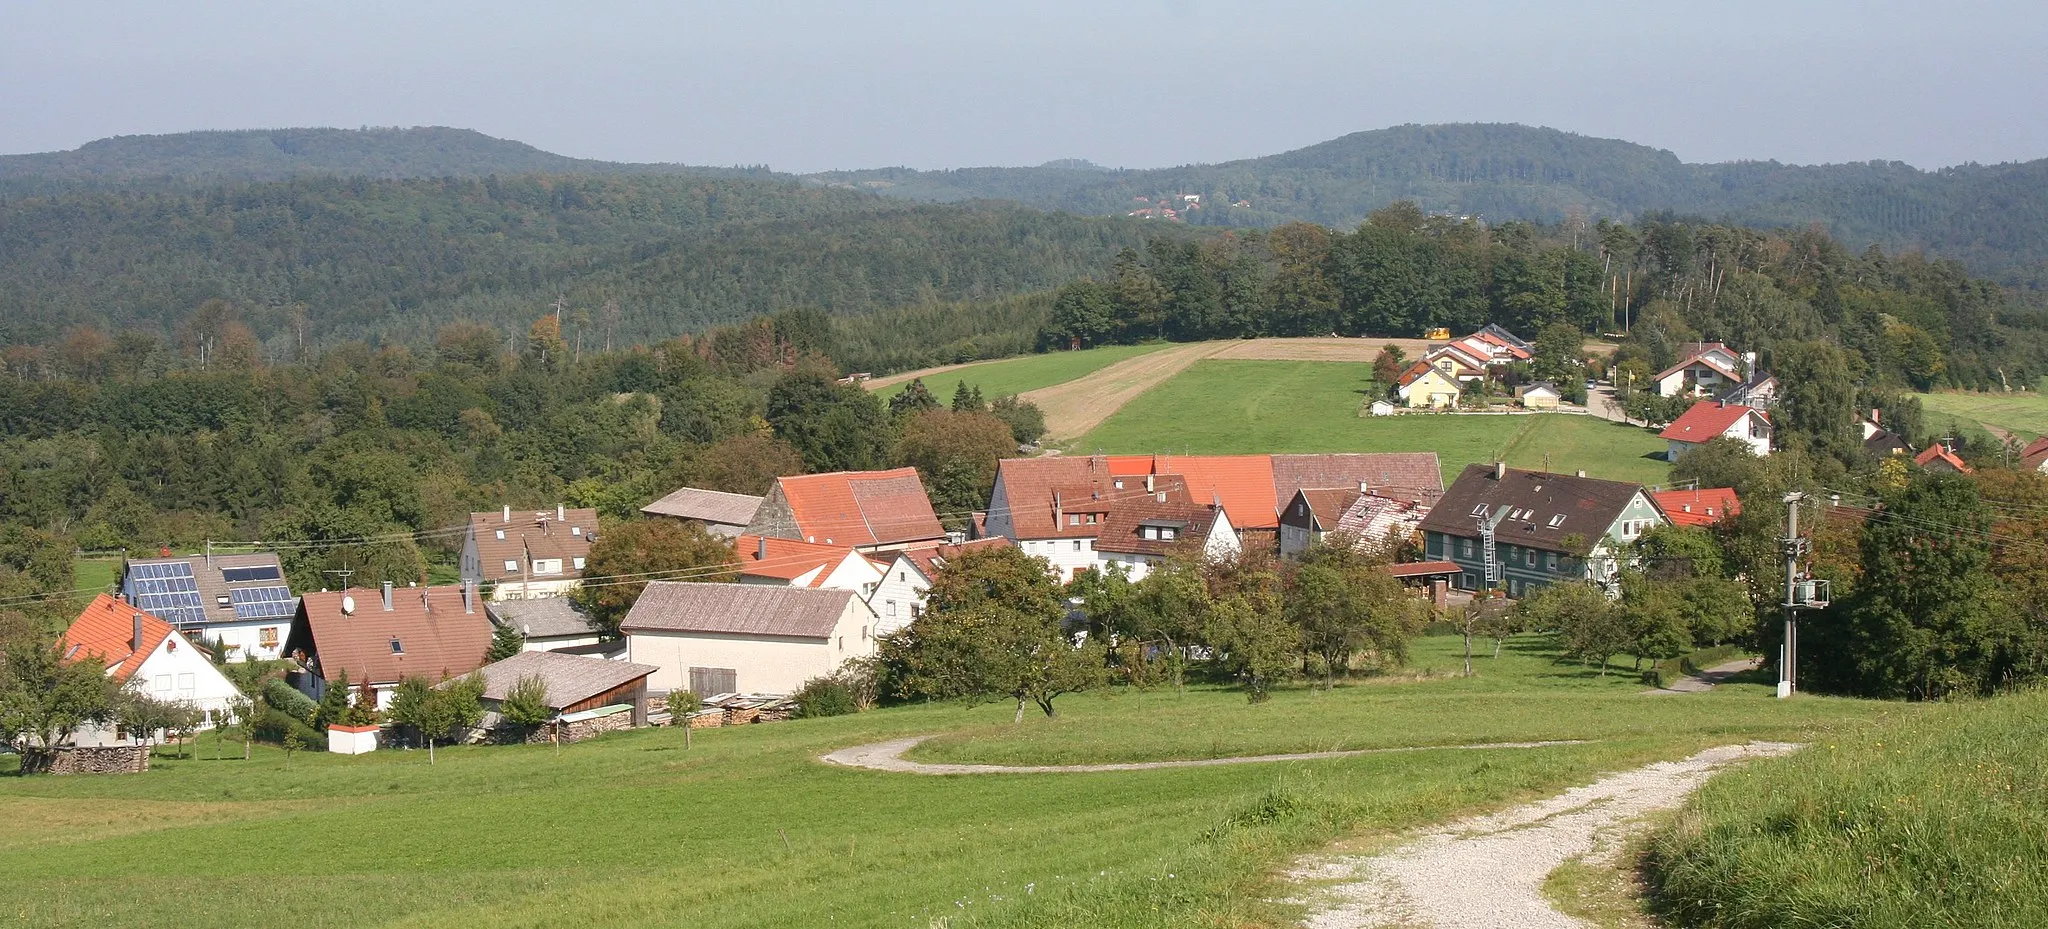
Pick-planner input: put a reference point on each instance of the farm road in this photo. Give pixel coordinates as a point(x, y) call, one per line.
point(888, 756)
point(1487, 872)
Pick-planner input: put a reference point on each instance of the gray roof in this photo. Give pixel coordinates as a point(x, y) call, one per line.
point(711, 506)
point(571, 679)
point(541, 617)
point(737, 609)
point(1553, 512)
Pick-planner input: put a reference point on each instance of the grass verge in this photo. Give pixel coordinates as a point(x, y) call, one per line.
point(1029, 372)
point(1937, 818)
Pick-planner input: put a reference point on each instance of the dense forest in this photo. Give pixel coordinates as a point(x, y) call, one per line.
point(316, 260)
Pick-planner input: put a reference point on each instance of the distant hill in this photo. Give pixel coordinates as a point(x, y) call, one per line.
point(1993, 217)
point(277, 154)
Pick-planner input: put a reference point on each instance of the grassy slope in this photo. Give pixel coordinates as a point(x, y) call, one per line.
point(634, 830)
point(1242, 407)
point(2024, 413)
point(1017, 375)
point(95, 575)
point(1931, 819)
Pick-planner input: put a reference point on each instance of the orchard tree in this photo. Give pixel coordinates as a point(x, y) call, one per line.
point(1586, 623)
point(1254, 642)
point(1345, 603)
point(44, 699)
point(994, 628)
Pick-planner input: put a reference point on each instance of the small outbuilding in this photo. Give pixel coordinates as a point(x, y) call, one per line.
point(719, 512)
point(744, 638)
point(575, 683)
point(1541, 395)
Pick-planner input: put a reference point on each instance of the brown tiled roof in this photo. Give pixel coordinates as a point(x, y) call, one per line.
point(1372, 519)
point(1190, 521)
point(859, 507)
point(107, 629)
point(539, 532)
point(1423, 568)
point(711, 506)
point(785, 559)
point(1327, 505)
point(571, 679)
point(737, 609)
point(436, 638)
point(1252, 488)
point(1407, 475)
point(1532, 502)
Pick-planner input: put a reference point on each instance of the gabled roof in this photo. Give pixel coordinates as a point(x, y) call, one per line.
point(1939, 453)
point(855, 508)
point(563, 532)
point(711, 506)
point(1464, 357)
point(1416, 372)
point(1553, 512)
point(1703, 360)
point(1372, 518)
point(540, 617)
point(929, 560)
point(217, 588)
point(1494, 332)
point(571, 679)
point(1708, 419)
point(737, 609)
point(1325, 504)
point(1701, 507)
point(2035, 453)
point(436, 639)
point(1122, 533)
point(107, 629)
point(1251, 487)
point(787, 559)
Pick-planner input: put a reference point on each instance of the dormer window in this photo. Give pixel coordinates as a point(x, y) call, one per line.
point(1556, 521)
point(501, 535)
point(1479, 510)
point(396, 648)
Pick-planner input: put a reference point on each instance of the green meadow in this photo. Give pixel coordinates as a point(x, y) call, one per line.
point(1029, 372)
point(1247, 407)
point(747, 828)
point(2024, 414)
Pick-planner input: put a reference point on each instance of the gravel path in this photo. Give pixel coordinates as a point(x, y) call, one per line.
point(1705, 680)
point(1487, 872)
point(888, 756)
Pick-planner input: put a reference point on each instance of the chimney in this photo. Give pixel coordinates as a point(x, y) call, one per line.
point(1148, 483)
point(135, 643)
point(425, 607)
point(508, 514)
point(1874, 414)
point(1500, 470)
point(387, 596)
point(468, 604)
point(1059, 510)
point(761, 548)
point(1363, 488)
point(1160, 496)
point(561, 513)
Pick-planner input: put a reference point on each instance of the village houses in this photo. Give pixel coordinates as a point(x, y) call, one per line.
point(870, 511)
point(899, 598)
point(241, 600)
point(1708, 420)
point(744, 638)
point(383, 636)
point(520, 555)
point(1516, 530)
point(149, 656)
point(720, 513)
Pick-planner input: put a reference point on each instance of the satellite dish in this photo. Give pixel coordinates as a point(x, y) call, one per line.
point(348, 605)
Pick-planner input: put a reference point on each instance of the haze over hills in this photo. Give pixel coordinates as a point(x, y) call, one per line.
point(1993, 217)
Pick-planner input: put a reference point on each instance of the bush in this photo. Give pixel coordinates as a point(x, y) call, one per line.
point(1931, 818)
point(274, 725)
point(284, 697)
point(825, 696)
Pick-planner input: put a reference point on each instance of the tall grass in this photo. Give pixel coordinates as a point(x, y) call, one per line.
point(1927, 819)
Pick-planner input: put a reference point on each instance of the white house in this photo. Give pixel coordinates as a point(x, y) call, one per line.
point(1704, 368)
point(900, 597)
point(789, 563)
point(525, 555)
point(241, 600)
point(744, 638)
point(149, 656)
point(1142, 533)
point(1708, 420)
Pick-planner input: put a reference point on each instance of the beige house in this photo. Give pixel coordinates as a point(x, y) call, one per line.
point(1425, 386)
point(744, 638)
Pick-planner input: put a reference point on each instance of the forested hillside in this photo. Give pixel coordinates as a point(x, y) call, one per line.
point(277, 154)
point(637, 259)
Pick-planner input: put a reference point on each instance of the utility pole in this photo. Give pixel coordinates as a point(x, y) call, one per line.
point(1801, 593)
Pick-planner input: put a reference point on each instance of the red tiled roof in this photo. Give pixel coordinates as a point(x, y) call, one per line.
point(929, 559)
point(1243, 484)
point(2036, 452)
point(1707, 420)
point(861, 507)
point(1251, 487)
point(1702, 507)
point(437, 640)
point(1939, 452)
point(1414, 372)
point(786, 559)
point(563, 533)
point(1699, 359)
point(107, 629)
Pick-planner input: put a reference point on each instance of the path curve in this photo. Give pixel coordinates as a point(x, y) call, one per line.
point(1705, 680)
point(1487, 872)
point(888, 756)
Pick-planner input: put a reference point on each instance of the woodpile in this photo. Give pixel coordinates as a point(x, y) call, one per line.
point(103, 759)
point(739, 710)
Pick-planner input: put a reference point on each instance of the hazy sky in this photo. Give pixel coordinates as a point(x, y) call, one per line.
point(809, 86)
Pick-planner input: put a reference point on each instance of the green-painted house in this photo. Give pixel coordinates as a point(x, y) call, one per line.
point(1515, 530)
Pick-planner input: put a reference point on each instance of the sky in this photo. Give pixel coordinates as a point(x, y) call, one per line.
point(1149, 83)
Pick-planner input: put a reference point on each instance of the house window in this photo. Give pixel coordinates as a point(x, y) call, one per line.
point(1077, 545)
point(186, 682)
point(707, 682)
point(511, 567)
point(902, 577)
point(1532, 557)
point(397, 648)
point(891, 610)
point(501, 535)
point(1556, 521)
point(547, 566)
point(1169, 534)
point(579, 564)
point(267, 637)
point(1091, 519)
point(1300, 508)
point(1073, 519)
point(576, 530)
point(162, 682)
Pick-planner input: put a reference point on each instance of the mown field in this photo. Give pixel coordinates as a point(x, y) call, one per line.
point(748, 829)
point(1247, 407)
point(1029, 372)
point(2023, 414)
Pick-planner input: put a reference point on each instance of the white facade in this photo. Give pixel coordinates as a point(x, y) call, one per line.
point(1752, 430)
point(256, 639)
point(1223, 542)
point(760, 663)
point(351, 740)
point(175, 671)
point(900, 596)
point(1068, 557)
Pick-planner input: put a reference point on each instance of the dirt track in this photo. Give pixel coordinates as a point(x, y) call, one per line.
point(888, 756)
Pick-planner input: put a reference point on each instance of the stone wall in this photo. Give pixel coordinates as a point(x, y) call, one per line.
point(105, 759)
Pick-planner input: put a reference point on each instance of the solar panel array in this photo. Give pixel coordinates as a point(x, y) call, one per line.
point(257, 573)
point(262, 602)
point(168, 591)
